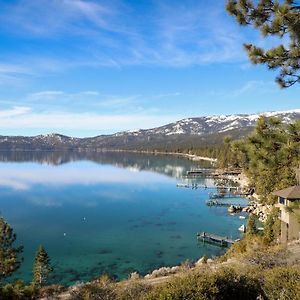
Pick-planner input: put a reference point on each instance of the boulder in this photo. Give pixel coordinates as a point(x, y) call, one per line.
point(201, 261)
point(175, 269)
point(134, 275)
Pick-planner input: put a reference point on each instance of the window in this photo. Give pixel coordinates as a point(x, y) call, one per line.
point(281, 200)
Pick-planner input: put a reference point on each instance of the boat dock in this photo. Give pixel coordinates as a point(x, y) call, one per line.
point(199, 172)
point(224, 195)
point(213, 173)
point(222, 203)
point(215, 239)
point(203, 186)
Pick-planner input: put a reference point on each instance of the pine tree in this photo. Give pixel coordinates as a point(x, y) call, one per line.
point(9, 260)
point(270, 155)
point(42, 267)
point(275, 18)
point(251, 227)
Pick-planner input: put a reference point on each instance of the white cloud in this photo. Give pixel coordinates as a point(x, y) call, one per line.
point(45, 95)
point(14, 112)
point(12, 69)
point(90, 99)
point(167, 95)
point(45, 121)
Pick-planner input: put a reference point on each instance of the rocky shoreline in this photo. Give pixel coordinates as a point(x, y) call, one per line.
point(254, 207)
point(260, 210)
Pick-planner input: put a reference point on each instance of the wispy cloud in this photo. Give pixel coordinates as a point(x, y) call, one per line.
point(57, 121)
point(90, 99)
point(112, 33)
point(14, 112)
point(46, 95)
point(252, 87)
point(167, 95)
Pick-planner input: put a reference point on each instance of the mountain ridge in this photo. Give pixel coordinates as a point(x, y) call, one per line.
point(194, 131)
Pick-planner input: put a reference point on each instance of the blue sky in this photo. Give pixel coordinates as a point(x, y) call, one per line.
point(87, 67)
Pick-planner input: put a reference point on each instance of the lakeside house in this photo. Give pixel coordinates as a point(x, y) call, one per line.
point(289, 205)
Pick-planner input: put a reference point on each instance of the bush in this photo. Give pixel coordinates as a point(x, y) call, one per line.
point(221, 285)
point(271, 228)
point(282, 283)
point(51, 291)
point(17, 291)
point(101, 289)
point(132, 290)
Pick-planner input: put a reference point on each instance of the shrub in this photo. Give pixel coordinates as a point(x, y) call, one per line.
point(101, 289)
point(132, 290)
point(51, 291)
point(17, 291)
point(282, 283)
point(221, 285)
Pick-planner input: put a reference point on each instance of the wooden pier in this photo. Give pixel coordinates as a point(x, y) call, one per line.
point(234, 189)
point(199, 172)
point(222, 203)
point(213, 173)
point(215, 239)
point(223, 195)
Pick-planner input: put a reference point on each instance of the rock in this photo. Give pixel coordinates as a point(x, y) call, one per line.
point(134, 275)
point(147, 276)
point(175, 269)
point(231, 209)
point(164, 271)
point(155, 273)
point(209, 261)
point(201, 261)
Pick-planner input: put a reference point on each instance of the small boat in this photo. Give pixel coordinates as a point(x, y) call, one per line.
point(260, 228)
point(242, 228)
point(242, 217)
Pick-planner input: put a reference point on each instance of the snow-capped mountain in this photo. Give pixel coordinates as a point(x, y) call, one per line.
point(191, 132)
point(213, 124)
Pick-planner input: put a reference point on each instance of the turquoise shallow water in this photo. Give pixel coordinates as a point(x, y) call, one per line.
point(107, 212)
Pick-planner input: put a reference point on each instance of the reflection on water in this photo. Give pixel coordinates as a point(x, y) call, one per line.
point(107, 212)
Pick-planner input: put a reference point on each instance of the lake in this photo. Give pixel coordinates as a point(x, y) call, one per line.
point(108, 212)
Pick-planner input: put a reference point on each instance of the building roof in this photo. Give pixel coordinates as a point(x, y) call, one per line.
point(290, 193)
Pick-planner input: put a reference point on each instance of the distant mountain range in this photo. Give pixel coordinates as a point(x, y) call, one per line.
point(191, 132)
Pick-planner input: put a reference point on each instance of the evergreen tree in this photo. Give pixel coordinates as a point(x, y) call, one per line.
point(275, 18)
point(272, 227)
point(269, 156)
point(42, 267)
point(251, 227)
point(9, 260)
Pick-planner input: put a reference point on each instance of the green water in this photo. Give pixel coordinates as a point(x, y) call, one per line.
point(107, 212)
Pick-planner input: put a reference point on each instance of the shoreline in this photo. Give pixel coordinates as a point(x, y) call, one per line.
point(193, 157)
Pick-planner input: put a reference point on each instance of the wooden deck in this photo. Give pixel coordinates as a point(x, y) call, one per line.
point(215, 239)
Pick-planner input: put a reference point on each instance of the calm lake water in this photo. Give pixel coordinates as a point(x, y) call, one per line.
point(107, 212)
